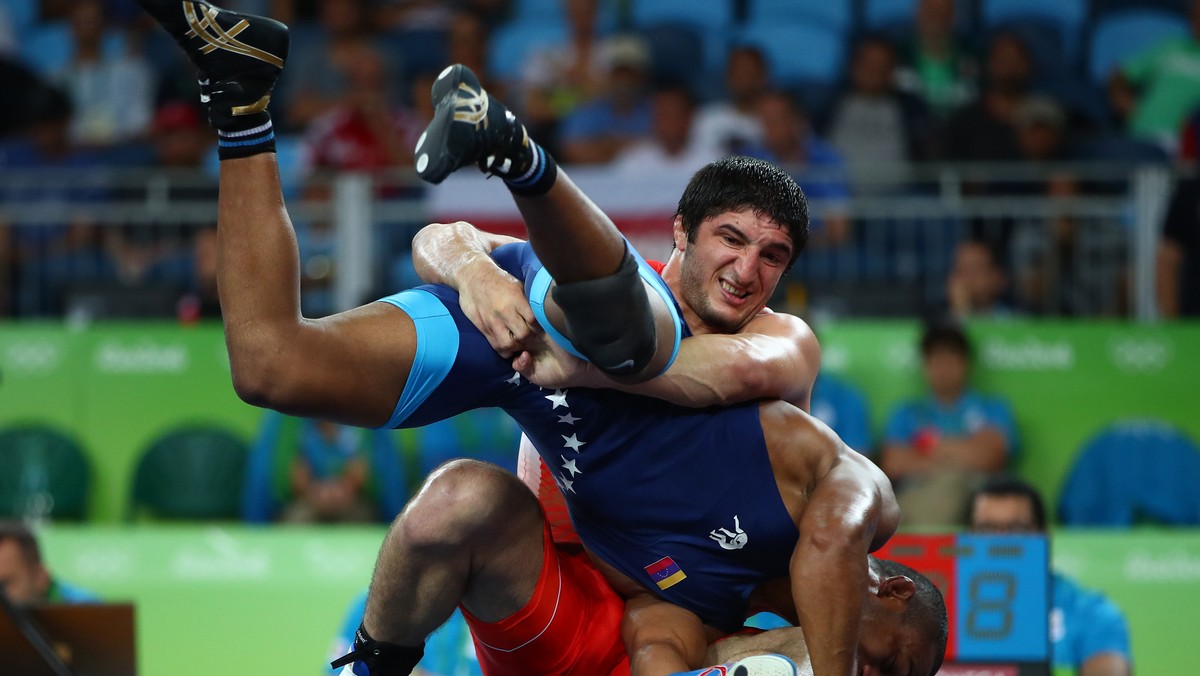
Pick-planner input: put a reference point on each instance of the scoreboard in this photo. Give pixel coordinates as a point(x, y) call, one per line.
point(997, 591)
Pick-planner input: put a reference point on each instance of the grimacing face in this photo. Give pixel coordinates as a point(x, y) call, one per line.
point(731, 269)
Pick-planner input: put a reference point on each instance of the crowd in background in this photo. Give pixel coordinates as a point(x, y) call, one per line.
point(850, 104)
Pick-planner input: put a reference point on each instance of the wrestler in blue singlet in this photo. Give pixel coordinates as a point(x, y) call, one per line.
point(682, 500)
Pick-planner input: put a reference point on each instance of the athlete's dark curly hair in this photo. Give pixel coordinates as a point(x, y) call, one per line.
point(737, 183)
point(926, 609)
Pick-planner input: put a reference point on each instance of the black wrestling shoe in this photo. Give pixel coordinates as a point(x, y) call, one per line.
point(238, 56)
point(470, 126)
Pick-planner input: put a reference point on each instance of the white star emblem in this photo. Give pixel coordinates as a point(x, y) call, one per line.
point(568, 419)
point(567, 485)
point(571, 442)
point(569, 465)
point(515, 379)
point(559, 398)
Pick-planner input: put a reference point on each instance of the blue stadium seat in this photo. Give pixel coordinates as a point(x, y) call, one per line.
point(1103, 7)
point(48, 47)
point(22, 13)
point(1132, 471)
point(798, 53)
point(554, 11)
point(1119, 147)
point(1121, 36)
point(1066, 16)
point(882, 14)
point(706, 15)
point(835, 14)
point(674, 52)
point(515, 41)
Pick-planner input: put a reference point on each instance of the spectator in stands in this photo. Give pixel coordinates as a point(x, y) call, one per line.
point(595, 132)
point(321, 56)
point(672, 145)
point(879, 129)
point(329, 474)
point(983, 131)
point(303, 470)
point(558, 79)
point(199, 298)
point(15, 76)
point(113, 95)
point(1156, 91)
point(976, 285)
point(1088, 632)
point(843, 407)
point(449, 651)
point(158, 252)
point(24, 577)
point(61, 246)
point(365, 130)
point(937, 65)
point(940, 447)
point(731, 125)
point(1178, 269)
point(788, 141)
point(467, 41)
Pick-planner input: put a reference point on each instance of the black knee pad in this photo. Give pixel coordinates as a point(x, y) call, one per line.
point(609, 319)
point(380, 658)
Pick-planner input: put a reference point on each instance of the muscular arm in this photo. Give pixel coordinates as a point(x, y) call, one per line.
point(850, 513)
point(1106, 664)
point(349, 367)
point(661, 638)
point(775, 356)
point(457, 255)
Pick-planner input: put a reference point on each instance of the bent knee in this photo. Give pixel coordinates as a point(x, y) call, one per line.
point(463, 499)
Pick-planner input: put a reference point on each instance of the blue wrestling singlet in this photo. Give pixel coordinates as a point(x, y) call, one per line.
point(681, 500)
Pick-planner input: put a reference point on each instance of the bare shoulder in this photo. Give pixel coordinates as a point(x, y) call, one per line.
point(773, 323)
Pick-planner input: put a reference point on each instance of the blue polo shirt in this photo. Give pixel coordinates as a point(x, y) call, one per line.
point(968, 415)
point(1084, 623)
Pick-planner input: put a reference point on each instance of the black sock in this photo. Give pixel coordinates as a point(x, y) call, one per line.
point(246, 136)
point(538, 178)
point(381, 658)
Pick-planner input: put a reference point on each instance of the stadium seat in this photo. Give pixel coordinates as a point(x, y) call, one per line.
point(43, 474)
point(1121, 36)
point(553, 11)
point(1133, 471)
point(835, 14)
point(1068, 15)
point(798, 52)
point(1180, 7)
point(515, 41)
point(708, 15)
point(674, 52)
point(48, 47)
point(22, 14)
point(191, 473)
point(1121, 148)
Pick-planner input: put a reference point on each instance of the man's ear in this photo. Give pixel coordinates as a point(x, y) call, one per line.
point(678, 235)
point(898, 587)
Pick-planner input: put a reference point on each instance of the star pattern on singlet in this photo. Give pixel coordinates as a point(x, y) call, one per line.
point(559, 398)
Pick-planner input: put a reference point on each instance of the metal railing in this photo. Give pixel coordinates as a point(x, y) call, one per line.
point(101, 243)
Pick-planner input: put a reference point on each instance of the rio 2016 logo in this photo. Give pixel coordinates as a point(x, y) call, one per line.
point(1141, 354)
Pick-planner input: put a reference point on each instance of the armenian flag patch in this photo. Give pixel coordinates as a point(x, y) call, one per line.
point(665, 572)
